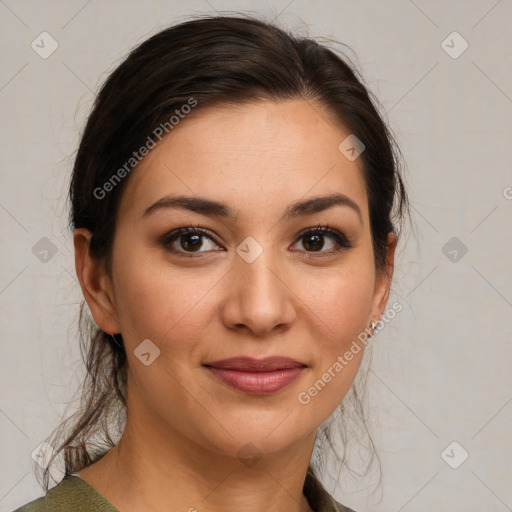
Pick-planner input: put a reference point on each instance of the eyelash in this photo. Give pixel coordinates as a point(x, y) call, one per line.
point(342, 242)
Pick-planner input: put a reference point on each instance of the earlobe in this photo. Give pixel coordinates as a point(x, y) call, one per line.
point(95, 283)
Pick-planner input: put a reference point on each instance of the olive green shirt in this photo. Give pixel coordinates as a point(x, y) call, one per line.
point(73, 494)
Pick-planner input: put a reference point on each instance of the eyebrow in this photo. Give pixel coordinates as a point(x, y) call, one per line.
point(216, 209)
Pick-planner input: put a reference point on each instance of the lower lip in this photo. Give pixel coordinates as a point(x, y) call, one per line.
point(257, 383)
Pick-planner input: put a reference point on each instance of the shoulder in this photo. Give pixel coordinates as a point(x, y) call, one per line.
point(318, 497)
point(38, 505)
point(335, 506)
point(71, 494)
point(338, 507)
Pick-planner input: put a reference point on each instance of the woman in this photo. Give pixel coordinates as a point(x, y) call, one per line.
point(233, 202)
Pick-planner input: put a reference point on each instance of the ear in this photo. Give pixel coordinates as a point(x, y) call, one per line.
point(95, 283)
point(383, 280)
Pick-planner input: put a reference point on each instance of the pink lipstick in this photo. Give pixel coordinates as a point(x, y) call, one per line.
point(256, 376)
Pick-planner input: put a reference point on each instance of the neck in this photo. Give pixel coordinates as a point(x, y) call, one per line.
point(156, 469)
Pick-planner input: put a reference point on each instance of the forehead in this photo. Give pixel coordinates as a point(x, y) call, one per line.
point(254, 155)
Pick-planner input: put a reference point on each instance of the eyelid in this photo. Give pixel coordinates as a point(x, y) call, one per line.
point(324, 230)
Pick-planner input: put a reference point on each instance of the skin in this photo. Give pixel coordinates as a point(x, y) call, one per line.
point(183, 424)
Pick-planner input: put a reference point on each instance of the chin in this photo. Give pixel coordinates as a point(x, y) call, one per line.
point(257, 438)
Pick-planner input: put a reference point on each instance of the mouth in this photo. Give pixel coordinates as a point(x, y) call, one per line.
point(256, 376)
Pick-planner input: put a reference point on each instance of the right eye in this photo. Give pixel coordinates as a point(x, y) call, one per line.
point(188, 240)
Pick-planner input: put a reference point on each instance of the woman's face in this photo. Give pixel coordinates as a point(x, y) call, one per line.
point(253, 282)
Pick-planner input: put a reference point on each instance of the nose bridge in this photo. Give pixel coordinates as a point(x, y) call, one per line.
point(258, 298)
point(258, 277)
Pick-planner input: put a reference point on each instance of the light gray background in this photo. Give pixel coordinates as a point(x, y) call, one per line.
point(441, 369)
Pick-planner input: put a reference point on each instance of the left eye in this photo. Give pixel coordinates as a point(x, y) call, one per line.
point(313, 240)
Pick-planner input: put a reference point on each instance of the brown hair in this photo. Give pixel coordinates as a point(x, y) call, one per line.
point(215, 60)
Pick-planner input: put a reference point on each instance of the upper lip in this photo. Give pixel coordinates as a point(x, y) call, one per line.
point(249, 364)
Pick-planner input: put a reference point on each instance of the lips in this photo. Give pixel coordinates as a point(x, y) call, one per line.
point(256, 376)
point(249, 364)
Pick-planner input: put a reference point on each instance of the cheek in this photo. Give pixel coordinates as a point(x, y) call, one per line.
point(342, 303)
point(346, 305)
point(343, 300)
point(161, 304)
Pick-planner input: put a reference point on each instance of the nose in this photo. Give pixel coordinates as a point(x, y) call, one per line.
point(259, 299)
